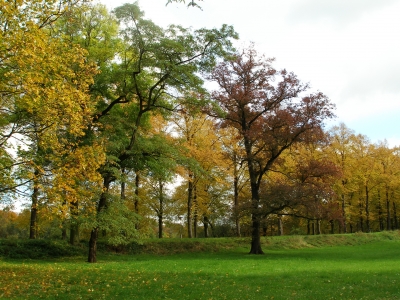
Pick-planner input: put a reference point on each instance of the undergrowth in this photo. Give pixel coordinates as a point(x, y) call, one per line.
point(38, 249)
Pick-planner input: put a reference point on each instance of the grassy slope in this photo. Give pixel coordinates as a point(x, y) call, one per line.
point(358, 266)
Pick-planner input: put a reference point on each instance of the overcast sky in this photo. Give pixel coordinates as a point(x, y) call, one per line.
point(347, 49)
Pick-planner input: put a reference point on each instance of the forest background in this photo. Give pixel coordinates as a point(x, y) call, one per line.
point(108, 130)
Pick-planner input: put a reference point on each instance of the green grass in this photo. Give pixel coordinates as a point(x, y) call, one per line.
point(355, 266)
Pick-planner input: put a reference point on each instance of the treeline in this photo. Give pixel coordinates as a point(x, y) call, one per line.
point(108, 130)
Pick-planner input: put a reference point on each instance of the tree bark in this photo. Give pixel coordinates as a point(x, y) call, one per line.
point(395, 221)
point(255, 236)
point(195, 215)
point(361, 228)
point(280, 225)
point(93, 245)
point(255, 202)
point(137, 182)
point(161, 209)
point(318, 226)
point(205, 222)
point(388, 224)
point(367, 222)
point(189, 205)
point(35, 200)
point(332, 226)
point(74, 227)
point(160, 226)
point(344, 214)
point(95, 231)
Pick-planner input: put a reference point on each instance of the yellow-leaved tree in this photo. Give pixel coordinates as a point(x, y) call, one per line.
point(45, 104)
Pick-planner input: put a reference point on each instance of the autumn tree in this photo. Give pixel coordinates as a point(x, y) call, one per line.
point(155, 66)
point(307, 185)
point(269, 110)
point(234, 154)
point(341, 152)
point(205, 170)
point(388, 161)
point(45, 109)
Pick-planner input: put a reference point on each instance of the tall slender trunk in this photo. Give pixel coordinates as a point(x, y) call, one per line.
point(361, 225)
point(280, 225)
point(344, 214)
point(205, 222)
point(332, 223)
point(388, 224)
point(34, 206)
point(367, 209)
point(92, 257)
point(161, 208)
point(189, 205)
point(123, 184)
point(74, 227)
point(195, 212)
point(380, 213)
point(319, 226)
point(236, 196)
point(395, 221)
point(137, 183)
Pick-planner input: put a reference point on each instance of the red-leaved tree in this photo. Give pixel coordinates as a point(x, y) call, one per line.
point(270, 111)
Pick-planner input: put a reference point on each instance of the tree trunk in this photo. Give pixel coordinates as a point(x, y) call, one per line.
point(123, 184)
point(205, 222)
point(344, 214)
point(73, 234)
point(367, 209)
point(361, 226)
point(380, 213)
point(93, 245)
point(255, 222)
point(308, 227)
point(388, 224)
point(318, 226)
point(332, 226)
point(313, 228)
point(137, 182)
point(95, 231)
point(161, 209)
point(160, 226)
point(255, 203)
point(255, 236)
point(64, 233)
point(74, 227)
point(195, 216)
point(35, 200)
point(189, 205)
point(280, 225)
point(395, 221)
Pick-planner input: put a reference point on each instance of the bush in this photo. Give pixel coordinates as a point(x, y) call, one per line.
point(34, 249)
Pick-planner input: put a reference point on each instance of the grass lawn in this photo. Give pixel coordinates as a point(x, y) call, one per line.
point(360, 271)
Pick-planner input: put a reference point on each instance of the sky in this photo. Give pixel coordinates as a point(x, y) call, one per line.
point(347, 49)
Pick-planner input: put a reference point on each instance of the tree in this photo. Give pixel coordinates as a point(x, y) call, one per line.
point(155, 66)
point(270, 113)
point(341, 151)
point(46, 109)
point(235, 155)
